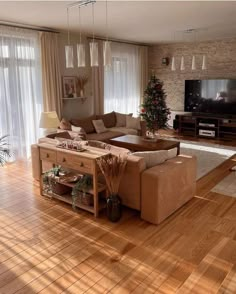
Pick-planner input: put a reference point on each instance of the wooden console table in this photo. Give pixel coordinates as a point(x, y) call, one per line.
point(80, 162)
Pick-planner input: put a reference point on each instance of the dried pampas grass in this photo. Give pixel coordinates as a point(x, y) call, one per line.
point(112, 168)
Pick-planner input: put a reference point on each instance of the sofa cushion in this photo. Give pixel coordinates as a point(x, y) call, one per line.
point(121, 119)
point(109, 119)
point(99, 126)
point(133, 122)
point(153, 158)
point(124, 130)
point(104, 136)
point(85, 123)
point(65, 125)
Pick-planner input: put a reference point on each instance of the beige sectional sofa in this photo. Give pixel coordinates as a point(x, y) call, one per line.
point(113, 121)
point(157, 191)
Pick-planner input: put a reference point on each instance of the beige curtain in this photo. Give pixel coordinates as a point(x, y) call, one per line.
point(98, 81)
point(143, 58)
point(51, 76)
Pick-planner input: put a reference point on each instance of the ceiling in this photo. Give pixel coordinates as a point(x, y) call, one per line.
point(137, 21)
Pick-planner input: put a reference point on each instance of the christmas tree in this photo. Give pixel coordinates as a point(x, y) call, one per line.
point(154, 110)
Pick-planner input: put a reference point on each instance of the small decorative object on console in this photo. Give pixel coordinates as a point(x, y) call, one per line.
point(71, 145)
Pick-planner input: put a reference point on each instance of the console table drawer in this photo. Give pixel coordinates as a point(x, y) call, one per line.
point(47, 154)
point(75, 162)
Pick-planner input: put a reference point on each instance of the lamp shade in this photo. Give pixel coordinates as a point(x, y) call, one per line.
point(173, 68)
point(204, 62)
point(69, 56)
point(49, 120)
point(81, 55)
point(94, 53)
point(182, 65)
point(194, 63)
point(107, 58)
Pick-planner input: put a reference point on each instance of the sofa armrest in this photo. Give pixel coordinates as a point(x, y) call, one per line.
point(166, 187)
point(35, 161)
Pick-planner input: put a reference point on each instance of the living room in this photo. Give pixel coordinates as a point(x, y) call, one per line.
point(118, 146)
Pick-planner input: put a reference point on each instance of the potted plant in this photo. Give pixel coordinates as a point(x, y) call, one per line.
point(5, 152)
point(80, 191)
point(113, 168)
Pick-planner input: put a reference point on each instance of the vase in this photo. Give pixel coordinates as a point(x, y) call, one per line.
point(113, 208)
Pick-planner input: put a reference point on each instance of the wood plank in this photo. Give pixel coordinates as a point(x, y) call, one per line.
point(47, 247)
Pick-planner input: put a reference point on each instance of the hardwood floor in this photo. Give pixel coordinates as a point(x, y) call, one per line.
point(45, 247)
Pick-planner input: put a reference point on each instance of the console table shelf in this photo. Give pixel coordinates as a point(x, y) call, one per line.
point(79, 162)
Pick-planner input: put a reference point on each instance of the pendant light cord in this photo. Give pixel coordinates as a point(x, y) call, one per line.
point(68, 26)
point(93, 19)
point(106, 21)
point(80, 34)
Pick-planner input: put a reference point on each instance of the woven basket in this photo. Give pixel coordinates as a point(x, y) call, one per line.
point(84, 198)
point(59, 189)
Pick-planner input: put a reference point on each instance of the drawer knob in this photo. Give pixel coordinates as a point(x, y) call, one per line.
point(63, 160)
point(47, 155)
point(81, 164)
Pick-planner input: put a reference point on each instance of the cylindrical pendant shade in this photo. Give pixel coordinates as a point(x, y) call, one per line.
point(173, 64)
point(93, 54)
point(193, 63)
point(107, 58)
point(182, 65)
point(69, 56)
point(204, 63)
point(81, 55)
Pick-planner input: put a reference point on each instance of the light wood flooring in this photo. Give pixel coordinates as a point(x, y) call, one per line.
point(45, 247)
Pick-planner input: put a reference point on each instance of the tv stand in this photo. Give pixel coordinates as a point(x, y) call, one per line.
point(206, 126)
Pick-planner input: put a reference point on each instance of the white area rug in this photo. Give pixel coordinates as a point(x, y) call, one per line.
point(227, 186)
point(209, 156)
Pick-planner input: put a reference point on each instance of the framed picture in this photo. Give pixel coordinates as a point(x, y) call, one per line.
point(69, 87)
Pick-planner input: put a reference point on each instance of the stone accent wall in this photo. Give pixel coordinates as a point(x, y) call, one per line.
point(221, 63)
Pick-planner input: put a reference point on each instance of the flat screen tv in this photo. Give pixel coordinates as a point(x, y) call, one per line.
point(210, 96)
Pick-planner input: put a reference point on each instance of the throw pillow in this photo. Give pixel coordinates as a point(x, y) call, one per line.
point(65, 125)
point(109, 119)
point(97, 144)
point(99, 126)
point(153, 158)
point(133, 122)
point(121, 119)
point(172, 153)
point(85, 123)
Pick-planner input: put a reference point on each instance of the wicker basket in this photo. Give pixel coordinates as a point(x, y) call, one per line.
point(59, 189)
point(84, 198)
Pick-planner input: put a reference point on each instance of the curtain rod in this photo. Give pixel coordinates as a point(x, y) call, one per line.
point(24, 26)
point(118, 41)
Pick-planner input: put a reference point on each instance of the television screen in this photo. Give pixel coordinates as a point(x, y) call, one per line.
point(210, 96)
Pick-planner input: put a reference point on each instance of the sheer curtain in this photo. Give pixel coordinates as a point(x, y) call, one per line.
point(20, 88)
point(122, 80)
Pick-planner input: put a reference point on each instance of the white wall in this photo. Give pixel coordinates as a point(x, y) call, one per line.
point(74, 108)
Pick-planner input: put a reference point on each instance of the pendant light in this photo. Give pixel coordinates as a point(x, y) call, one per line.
point(93, 46)
point(173, 68)
point(80, 47)
point(204, 62)
point(107, 58)
point(182, 65)
point(193, 63)
point(69, 48)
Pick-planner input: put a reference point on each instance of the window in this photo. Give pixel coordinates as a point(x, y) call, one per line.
point(20, 88)
point(122, 81)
